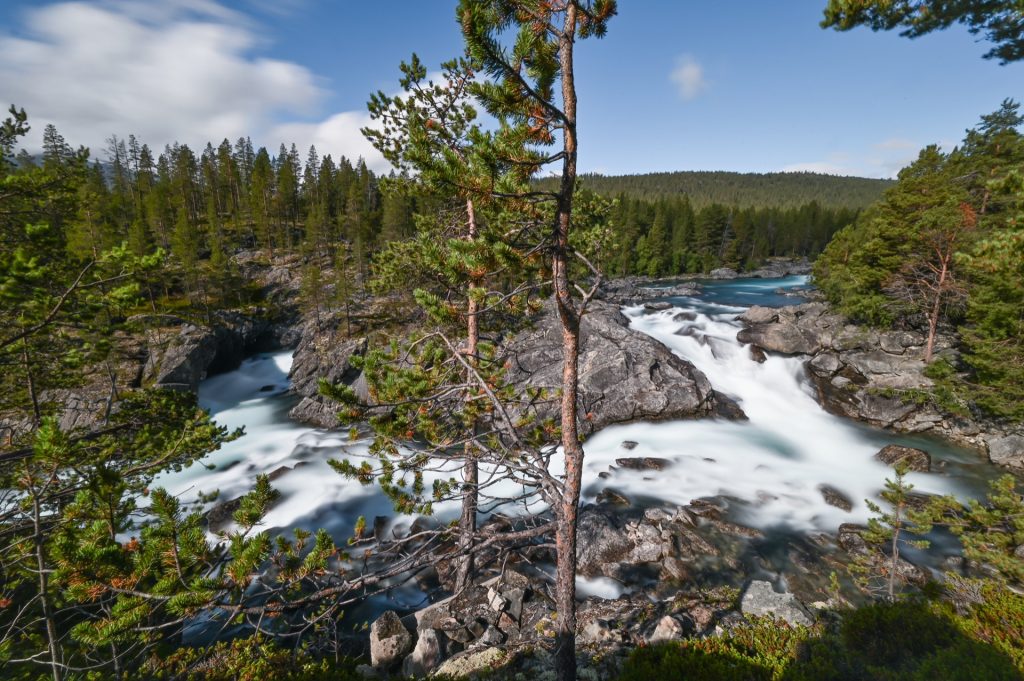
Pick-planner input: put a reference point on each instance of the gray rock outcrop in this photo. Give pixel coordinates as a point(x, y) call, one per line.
point(624, 375)
point(324, 352)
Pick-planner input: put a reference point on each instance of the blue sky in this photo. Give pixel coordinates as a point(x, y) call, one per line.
point(741, 85)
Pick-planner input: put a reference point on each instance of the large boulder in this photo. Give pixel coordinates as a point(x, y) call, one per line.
point(1007, 450)
point(624, 375)
point(390, 641)
point(762, 600)
point(429, 653)
point(185, 358)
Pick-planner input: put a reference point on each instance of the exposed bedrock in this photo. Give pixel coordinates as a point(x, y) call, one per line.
point(624, 375)
point(874, 376)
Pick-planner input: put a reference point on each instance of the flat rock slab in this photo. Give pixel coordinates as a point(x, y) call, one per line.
point(761, 600)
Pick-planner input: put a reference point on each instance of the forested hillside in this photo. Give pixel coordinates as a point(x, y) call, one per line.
point(669, 236)
point(945, 248)
point(744, 190)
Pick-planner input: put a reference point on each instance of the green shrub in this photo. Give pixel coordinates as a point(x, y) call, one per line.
point(248, 659)
point(759, 649)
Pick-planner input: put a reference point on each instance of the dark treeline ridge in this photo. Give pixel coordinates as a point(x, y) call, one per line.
point(668, 236)
point(745, 190)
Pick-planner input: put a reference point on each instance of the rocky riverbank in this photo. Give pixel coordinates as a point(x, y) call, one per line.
point(876, 377)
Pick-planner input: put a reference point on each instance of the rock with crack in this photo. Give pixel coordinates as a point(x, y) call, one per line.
point(324, 353)
point(624, 375)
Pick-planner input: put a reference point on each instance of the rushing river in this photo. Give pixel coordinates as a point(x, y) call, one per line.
point(769, 467)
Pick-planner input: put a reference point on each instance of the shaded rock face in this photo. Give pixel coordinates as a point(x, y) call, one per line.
point(324, 352)
point(914, 459)
point(181, 362)
point(624, 375)
point(761, 599)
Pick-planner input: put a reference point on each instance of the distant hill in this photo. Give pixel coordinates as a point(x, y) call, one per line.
point(744, 190)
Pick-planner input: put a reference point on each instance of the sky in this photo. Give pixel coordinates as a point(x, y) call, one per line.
point(741, 85)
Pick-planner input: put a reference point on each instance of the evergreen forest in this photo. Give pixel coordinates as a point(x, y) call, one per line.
point(447, 313)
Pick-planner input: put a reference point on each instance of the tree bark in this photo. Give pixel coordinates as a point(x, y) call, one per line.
point(933, 319)
point(470, 472)
point(568, 507)
point(44, 589)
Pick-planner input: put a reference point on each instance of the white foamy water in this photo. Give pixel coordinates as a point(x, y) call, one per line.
point(775, 462)
point(771, 465)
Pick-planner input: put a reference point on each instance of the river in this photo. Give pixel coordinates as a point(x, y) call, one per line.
point(769, 468)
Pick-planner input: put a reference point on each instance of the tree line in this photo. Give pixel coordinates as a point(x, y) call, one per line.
point(742, 190)
point(669, 236)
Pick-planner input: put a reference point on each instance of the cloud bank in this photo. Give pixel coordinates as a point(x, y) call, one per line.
point(175, 70)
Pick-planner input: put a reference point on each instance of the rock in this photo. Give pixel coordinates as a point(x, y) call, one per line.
point(723, 273)
point(219, 516)
point(497, 602)
point(834, 497)
point(279, 472)
point(367, 672)
point(825, 364)
point(430, 651)
point(685, 316)
point(757, 354)
point(784, 336)
point(1007, 450)
point(668, 629)
point(761, 599)
point(657, 306)
point(598, 631)
point(473, 662)
point(492, 636)
point(390, 641)
point(629, 444)
point(625, 375)
point(850, 539)
point(185, 360)
point(601, 541)
point(759, 315)
point(324, 353)
point(610, 496)
point(644, 463)
point(914, 459)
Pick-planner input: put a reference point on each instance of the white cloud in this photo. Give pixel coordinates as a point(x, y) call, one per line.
point(883, 159)
point(338, 135)
point(688, 76)
point(174, 70)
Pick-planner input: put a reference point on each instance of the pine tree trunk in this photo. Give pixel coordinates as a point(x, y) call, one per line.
point(470, 472)
point(568, 507)
point(44, 589)
point(933, 319)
